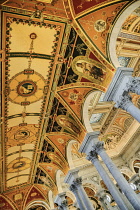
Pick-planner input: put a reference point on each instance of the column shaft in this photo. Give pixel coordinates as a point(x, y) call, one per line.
point(111, 187)
point(134, 111)
point(123, 184)
point(80, 202)
point(85, 198)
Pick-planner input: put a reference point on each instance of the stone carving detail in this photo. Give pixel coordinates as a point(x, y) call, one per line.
point(73, 188)
point(78, 181)
point(92, 156)
point(134, 85)
point(125, 101)
point(99, 146)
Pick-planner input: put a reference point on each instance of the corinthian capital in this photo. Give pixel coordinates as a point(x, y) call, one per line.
point(124, 101)
point(92, 156)
point(98, 146)
point(73, 188)
point(134, 85)
point(78, 181)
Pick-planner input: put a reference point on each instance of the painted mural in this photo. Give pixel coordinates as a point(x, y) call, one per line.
point(54, 54)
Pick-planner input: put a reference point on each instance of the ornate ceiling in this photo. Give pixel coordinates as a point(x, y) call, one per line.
point(55, 63)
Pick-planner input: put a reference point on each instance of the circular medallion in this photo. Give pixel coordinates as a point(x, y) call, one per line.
point(19, 164)
point(100, 25)
point(33, 36)
point(22, 134)
point(26, 88)
point(60, 140)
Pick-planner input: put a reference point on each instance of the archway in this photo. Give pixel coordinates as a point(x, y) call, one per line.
point(51, 201)
point(59, 173)
point(116, 30)
point(69, 154)
point(37, 205)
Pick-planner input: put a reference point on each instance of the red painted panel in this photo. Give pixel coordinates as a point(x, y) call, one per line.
point(34, 195)
point(81, 5)
point(4, 205)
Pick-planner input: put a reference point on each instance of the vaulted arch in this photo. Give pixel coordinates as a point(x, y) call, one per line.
point(115, 31)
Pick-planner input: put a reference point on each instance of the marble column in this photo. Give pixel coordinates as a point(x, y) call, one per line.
point(134, 85)
point(61, 201)
point(123, 184)
point(92, 156)
point(78, 183)
point(125, 103)
point(73, 178)
point(80, 202)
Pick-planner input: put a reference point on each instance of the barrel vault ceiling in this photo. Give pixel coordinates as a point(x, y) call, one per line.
point(43, 88)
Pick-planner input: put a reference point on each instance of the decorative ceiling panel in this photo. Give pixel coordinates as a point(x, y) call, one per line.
point(82, 5)
point(49, 9)
point(96, 25)
point(5, 204)
point(34, 194)
point(74, 97)
point(50, 65)
point(30, 50)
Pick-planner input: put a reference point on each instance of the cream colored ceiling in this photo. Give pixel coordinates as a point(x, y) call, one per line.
point(30, 56)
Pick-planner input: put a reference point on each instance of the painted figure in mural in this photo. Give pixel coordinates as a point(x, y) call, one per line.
point(91, 70)
point(69, 124)
point(100, 25)
point(47, 181)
